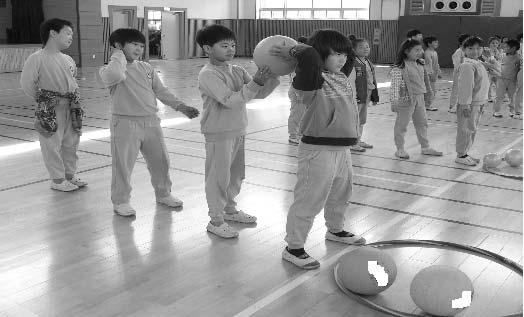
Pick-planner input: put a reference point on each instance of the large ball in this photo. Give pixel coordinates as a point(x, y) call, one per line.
point(278, 65)
point(367, 270)
point(513, 157)
point(492, 160)
point(441, 290)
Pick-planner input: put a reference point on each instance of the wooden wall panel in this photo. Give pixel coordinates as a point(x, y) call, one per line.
point(91, 31)
point(67, 10)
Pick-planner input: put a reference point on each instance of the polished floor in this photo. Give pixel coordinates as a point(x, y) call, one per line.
point(67, 254)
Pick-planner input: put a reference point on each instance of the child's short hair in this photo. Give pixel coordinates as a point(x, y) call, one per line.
point(471, 41)
point(210, 35)
point(512, 43)
point(412, 33)
point(124, 36)
point(302, 39)
point(429, 39)
point(357, 41)
point(401, 54)
point(462, 38)
point(326, 40)
point(52, 25)
point(493, 38)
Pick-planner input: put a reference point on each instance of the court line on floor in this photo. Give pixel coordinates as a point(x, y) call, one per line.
point(294, 156)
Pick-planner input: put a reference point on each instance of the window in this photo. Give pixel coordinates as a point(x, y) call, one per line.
point(313, 9)
point(154, 20)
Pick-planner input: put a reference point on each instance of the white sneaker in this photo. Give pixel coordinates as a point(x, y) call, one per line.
point(517, 116)
point(431, 151)
point(304, 261)
point(64, 186)
point(431, 108)
point(452, 110)
point(365, 145)
point(124, 210)
point(170, 201)
point(350, 238)
point(78, 182)
point(466, 161)
point(240, 216)
point(357, 148)
point(223, 231)
point(293, 141)
point(402, 154)
point(497, 114)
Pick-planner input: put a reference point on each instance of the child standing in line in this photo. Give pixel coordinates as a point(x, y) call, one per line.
point(297, 110)
point(507, 83)
point(366, 88)
point(134, 87)
point(473, 86)
point(48, 76)
point(414, 35)
point(225, 90)
point(433, 69)
point(494, 57)
point(518, 93)
point(457, 59)
point(409, 83)
point(330, 126)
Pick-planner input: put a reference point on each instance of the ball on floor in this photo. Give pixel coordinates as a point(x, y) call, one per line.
point(513, 157)
point(492, 160)
point(441, 290)
point(367, 270)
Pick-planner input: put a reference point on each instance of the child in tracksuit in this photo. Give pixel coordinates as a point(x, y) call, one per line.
point(507, 82)
point(366, 87)
point(518, 93)
point(134, 87)
point(329, 127)
point(297, 110)
point(225, 90)
point(48, 76)
point(409, 83)
point(473, 86)
point(457, 58)
point(492, 59)
point(433, 69)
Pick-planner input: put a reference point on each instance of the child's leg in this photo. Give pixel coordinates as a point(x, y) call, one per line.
point(518, 94)
point(218, 174)
point(51, 146)
point(401, 124)
point(237, 175)
point(70, 147)
point(429, 97)
point(362, 117)
point(512, 88)
point(501, 91)
point(338, 199)
point(155, 153)
point(126, 138)
point(475, 121)
point(466, 129)
point(492, 92)
point(314, 180)
point(420, 121)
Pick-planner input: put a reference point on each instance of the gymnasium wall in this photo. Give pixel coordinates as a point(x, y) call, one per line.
point(66, 10)
point(5, 21)
point(250, 32)
point(448, 28)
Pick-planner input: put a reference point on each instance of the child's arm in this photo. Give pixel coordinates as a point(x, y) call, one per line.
point(115, 71)
point(465, 85)
point(29, 77)
point(268, 87)
point(428, 59)
point(168, 98)
point(214, 86)
point(457, 58)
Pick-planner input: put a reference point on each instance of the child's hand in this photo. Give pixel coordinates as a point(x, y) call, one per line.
point(281, 50)
point(262, 75)
point(41, 130)
point(116, 48)
point(189, 112)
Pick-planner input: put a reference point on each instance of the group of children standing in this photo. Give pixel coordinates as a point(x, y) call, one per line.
point(333, 84)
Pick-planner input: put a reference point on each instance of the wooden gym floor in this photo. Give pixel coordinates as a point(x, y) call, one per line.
point(67, 254)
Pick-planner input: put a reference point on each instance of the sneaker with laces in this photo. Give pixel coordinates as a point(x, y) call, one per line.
point(402, 154)
point(78, 181)
point(170, 201)
point(431, 108)
point(357, 148)
point(240, 216)
point(304, 261)
point(64, 186)
point(346, 237)
point(293, 141)
point(474, 159)
point(431, 151)
point(365, 145)
point(517, 116)
point(497, 114)
point(124, 210)
point(466, 161)
point(223, 231)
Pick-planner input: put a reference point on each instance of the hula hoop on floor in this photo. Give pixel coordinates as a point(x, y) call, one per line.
point(512, 265)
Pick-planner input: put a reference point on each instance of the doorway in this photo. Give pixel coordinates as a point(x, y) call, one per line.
point(122, 17)
point(166, 33)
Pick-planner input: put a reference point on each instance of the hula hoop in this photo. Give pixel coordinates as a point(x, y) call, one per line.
point(512, 265)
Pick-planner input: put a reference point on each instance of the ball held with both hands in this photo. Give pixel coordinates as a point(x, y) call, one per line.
point(278, 65)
